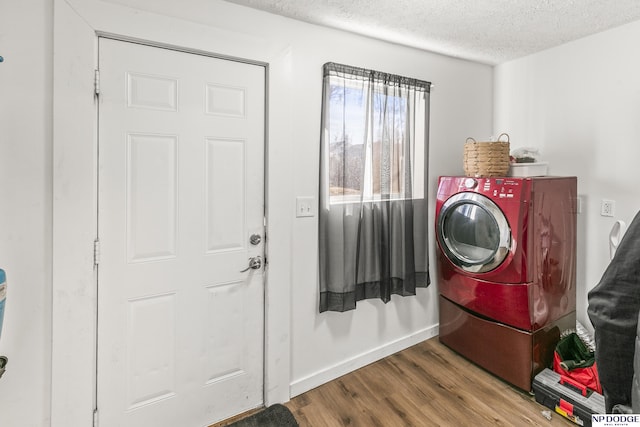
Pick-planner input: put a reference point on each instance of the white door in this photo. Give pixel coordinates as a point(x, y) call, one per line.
point(181, 160)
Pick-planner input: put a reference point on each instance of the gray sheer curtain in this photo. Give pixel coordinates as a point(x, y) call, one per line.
point(373, 186)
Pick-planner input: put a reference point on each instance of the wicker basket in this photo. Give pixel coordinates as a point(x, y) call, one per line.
point(485, 159)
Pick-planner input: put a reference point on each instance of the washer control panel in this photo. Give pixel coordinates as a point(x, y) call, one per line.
point(494, 188)
point(500, 188)
point(497, 188)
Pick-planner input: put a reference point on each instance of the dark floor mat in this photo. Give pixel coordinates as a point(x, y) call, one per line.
point(274, 416)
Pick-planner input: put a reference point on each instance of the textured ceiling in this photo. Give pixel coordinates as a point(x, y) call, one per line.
point(488, 31)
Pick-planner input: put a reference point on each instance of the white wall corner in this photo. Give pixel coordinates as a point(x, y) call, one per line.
point(279, 228)
point(74, 220)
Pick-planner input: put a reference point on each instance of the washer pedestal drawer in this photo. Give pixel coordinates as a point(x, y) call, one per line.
point(512, 354)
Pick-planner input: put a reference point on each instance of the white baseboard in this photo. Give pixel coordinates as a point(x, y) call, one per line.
point(331, 373)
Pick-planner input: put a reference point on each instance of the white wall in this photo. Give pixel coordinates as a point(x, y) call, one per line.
point(326, 345)
point(323, 346)
point(25, 217)
point(580, 104)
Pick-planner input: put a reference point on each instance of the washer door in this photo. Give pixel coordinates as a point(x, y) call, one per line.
point(473, 232)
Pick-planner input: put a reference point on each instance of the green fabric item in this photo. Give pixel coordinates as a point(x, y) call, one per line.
point(574, 353)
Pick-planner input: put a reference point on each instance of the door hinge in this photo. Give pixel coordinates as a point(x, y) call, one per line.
point(95, 417)
point(96, 82)
point(264, 227)
point(96, 252)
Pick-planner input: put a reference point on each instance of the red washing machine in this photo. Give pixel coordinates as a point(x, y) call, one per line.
point(507, 270)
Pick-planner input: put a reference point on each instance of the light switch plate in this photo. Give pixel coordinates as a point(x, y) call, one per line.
point(304, 206)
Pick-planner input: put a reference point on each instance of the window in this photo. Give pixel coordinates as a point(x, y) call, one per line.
point(373, 169)
point(369, 136)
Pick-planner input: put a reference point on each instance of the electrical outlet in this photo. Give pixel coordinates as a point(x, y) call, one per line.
point(607, 208)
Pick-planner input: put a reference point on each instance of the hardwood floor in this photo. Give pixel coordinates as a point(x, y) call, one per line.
point(424, 385)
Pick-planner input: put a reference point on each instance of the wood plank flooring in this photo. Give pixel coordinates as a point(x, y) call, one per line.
point(424, 385)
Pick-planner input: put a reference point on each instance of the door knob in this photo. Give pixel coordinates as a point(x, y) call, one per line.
point(254, 263)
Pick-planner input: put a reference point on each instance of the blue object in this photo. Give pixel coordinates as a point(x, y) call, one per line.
point(3, 296)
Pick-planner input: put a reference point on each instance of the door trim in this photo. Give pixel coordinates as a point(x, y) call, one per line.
point(193, 51)
point(76, 26)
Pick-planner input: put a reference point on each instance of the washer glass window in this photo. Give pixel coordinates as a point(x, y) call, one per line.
point(473, 232)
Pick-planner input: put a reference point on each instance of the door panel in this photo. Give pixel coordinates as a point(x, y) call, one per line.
point(181, 160)
point(225, 181)
point(151, 197)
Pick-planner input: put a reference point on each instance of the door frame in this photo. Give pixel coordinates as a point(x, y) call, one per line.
point(74, 311)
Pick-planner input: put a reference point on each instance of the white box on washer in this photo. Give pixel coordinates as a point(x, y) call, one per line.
point(528, 169)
